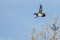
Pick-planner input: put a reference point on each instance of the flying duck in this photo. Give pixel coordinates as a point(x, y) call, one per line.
point(40, 13)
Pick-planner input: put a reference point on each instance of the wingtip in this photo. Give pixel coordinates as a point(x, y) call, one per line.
point(41, 5)
point(34, 13)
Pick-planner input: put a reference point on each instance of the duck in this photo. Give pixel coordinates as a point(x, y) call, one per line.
point(40, 13)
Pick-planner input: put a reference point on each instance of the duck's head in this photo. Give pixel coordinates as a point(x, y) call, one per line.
point(43, 15)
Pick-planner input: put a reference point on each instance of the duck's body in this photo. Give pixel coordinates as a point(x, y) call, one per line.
point(40, 14)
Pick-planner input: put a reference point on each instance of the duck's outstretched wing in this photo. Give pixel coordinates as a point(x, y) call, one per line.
point(40, 9)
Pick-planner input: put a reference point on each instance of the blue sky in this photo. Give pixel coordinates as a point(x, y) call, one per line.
point(17, 19)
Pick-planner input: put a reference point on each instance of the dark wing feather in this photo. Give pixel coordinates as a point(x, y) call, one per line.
point(40, 9)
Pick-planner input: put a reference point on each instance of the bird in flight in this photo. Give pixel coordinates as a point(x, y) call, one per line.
point(40, 13)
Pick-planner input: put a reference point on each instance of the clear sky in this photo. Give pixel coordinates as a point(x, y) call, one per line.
point(17, 19)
